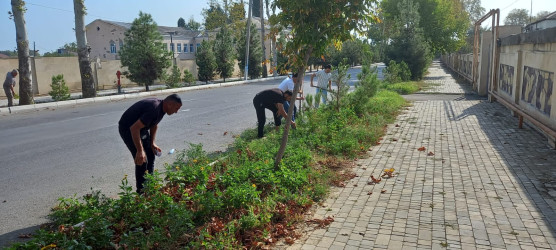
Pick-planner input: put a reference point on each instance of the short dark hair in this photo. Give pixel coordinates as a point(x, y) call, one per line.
point(15, 71)
point(327, 66)
point(289, 92)
point(294, 74)
point(173, 98)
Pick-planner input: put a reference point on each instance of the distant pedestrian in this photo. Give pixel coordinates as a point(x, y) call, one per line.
point(138, 126)
point(289, 84)
point(324, 83)
point(273, 100)
point(9, 85)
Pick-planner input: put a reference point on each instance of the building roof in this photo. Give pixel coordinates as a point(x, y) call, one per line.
point(163, 30)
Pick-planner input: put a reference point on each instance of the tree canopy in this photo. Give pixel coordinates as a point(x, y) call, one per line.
point(206, 61)
point(181, 22)
point(224, 52)
point(143, 51)
point(215, 17)
point(517, 17)
point(444, 22)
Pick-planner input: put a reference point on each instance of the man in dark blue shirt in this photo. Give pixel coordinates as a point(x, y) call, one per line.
point(138, 126)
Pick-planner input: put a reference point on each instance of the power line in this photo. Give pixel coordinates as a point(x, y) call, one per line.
point(510, 5)
point(70, 11)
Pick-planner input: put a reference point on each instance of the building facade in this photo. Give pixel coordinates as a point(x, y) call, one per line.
point(106, 38)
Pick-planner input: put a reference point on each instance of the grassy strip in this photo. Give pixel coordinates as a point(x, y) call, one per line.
point(239, 201)
point(404, 88)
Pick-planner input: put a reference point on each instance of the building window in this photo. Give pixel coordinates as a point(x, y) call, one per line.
point(185, 48)
point(198, 45)
point(179, 47)
point(121, 44)
point(113, 47)
point(172, 47)
point(191, 49)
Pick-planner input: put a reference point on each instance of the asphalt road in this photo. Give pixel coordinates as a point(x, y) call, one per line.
point(69, 151)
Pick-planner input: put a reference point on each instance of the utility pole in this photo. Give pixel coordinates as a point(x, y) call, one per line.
point(247, 39)
point(172, 48)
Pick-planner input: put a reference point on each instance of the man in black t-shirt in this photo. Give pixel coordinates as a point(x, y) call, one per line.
point(273, 100)
point(138, 126)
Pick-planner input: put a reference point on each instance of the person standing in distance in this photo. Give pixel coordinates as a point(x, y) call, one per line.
point(273, 100)
point(138, 127)
point(9, 85)
point(323, 83)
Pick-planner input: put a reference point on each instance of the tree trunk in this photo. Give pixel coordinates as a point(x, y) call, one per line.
point(300, 76)
point(265, 70)
point(272, 46)
point(25, 86)
point(87, 80)
point(247, 40)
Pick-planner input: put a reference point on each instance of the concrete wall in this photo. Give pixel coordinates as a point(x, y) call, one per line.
point(46, 67)
point(527, 67)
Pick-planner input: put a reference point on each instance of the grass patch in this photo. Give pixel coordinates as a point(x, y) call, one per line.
point(404, 88)
point(232, 200)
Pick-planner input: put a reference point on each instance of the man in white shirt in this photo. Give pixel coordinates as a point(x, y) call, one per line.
point(323, 83)
point(289, 84)
point(9, 85)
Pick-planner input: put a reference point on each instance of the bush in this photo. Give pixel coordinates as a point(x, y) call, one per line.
point(188, 77)
point(397, 72)
point(60, 91)
point(228, 201)
point(173, 80)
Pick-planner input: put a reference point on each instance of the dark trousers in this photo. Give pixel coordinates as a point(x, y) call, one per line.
point(147, 166)
point(261, 117)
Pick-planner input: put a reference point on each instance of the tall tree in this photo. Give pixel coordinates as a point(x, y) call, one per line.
point(206, 61)
point(25, 85)
point(192, 25)
point(315, 24)
point(237, 19)
point(224, 50)
point(143, 52)
point(444, 27)
point(87, 80)
point(214, 16)
point(255, 53)
point(273, 50)
point(409, 44)
point(517, 17)
point(265, 70)
point(474, 9)
point(181, 22)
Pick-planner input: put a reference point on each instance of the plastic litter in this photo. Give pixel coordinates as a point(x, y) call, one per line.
point(171, 151)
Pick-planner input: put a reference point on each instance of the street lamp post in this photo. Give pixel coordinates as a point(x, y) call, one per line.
point(247, 40)
point(172, 47)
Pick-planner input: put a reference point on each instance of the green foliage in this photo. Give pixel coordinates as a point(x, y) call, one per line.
point(60, 91)
point(214, 16)
point(517, 17)
point(230, 200)
point(174, 78)
point(181, 22)
point(206, 61)
point(188, 77)
point(143, 52)
point(255, 53)
point(444, 23)
point(340, 78)
point(225, 53)
point(397, 72)
point(403, 88)
point(409, 44)
point(192, 25)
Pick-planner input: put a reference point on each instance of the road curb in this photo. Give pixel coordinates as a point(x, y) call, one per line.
point(109, 98)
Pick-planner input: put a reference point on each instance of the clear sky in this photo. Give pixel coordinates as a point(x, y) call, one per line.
point(50, 23)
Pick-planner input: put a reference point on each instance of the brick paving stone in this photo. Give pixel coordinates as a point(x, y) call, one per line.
point(489, 185)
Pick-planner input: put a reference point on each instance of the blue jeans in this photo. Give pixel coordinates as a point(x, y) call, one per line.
point(323, 94)
point(287, 107)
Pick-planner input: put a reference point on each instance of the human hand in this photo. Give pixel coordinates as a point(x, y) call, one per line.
point(140, 157)
point(157, 150)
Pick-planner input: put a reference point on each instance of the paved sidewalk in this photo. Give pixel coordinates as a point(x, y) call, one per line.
point(481, 183)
